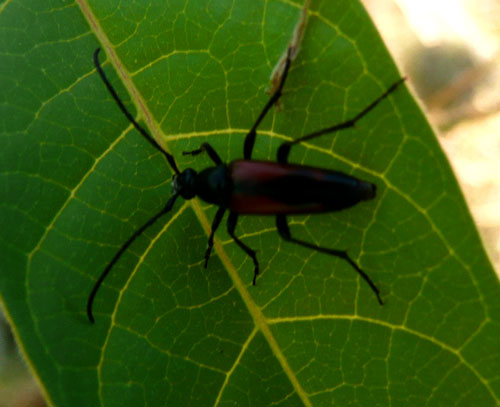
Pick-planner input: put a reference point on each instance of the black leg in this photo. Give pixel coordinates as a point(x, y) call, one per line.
point(250, 137)
point(209, 150)
point(231, 226)
point(215, 225)
point(284, 149)
point(284, 231)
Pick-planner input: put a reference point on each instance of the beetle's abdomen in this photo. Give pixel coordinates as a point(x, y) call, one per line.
point(266, 187)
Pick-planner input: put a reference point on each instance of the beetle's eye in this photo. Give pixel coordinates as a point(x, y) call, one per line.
point(184, 183)
point(175, 187)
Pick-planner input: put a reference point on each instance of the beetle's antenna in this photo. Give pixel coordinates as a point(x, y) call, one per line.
point(122, 250)
point(122, 107)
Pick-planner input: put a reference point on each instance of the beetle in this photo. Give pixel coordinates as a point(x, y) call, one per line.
point(255, 187)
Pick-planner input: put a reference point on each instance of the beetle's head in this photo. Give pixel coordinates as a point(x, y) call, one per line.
point(183, 184)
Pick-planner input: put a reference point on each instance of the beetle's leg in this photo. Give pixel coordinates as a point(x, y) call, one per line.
point(231, 226)
point(215, 225)
point(209, 150)
point(284, 231)
point(250, 137)
point(284, 149)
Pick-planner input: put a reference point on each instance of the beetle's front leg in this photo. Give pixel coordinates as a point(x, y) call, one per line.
point(209, 150)
point(215, 225)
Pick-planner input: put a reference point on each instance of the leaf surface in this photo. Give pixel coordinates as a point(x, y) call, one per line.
point(77, 180)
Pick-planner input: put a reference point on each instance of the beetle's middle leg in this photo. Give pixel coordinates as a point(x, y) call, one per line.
point(284, 149)
point(232, 220)
point(250, 137)
point(209, 150)
point(284, 231)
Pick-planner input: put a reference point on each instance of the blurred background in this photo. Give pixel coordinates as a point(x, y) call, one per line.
point(450, 51)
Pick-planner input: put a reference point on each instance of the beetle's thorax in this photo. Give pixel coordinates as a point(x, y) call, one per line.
point(212, 184)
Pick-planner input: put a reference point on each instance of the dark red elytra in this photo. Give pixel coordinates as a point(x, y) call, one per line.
point(269, 188)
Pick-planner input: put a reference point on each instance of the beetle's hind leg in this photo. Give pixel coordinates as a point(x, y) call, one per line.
point(232, 220)
point(284, 149)
point(284, 231)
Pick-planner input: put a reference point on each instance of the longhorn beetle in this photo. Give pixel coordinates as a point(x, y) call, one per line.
point(251, 187)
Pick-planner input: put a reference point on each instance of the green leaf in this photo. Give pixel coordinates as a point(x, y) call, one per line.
point(77, 180)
